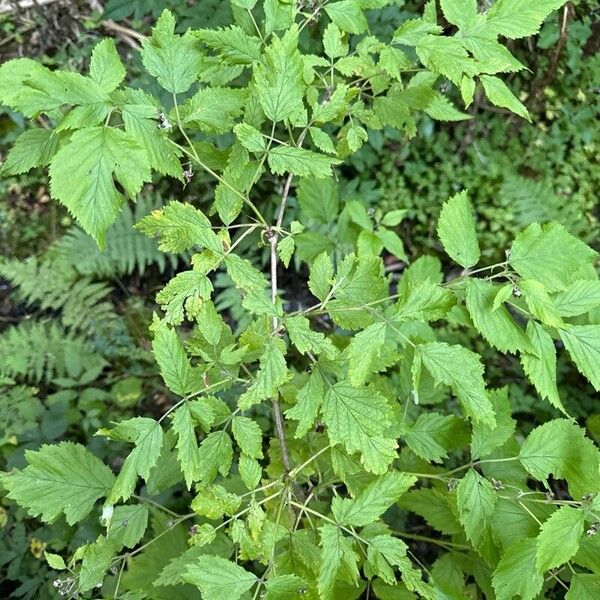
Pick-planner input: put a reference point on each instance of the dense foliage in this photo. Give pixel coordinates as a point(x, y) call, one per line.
point(346, 342)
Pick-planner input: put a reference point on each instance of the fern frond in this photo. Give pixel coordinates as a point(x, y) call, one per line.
point(39, 351)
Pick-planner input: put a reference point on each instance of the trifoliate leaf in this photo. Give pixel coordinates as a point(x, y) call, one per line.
point(496, 325)
point(499, 94)
point(583, 344)
point(462, 370)
point(373, 501)
point(106, 68)
point(476, 501)
point(456, 230)
point(560, 448)
point(82, 172)
point(219, 578)
point(540, 364)
point(357, 418)
point(180, 227)
point(558, 540)
point(147, 435)
point(516, 574)
point(173, 59)
point(61, 478)
point(248, 435)
point(301, 162)
point(549, 254)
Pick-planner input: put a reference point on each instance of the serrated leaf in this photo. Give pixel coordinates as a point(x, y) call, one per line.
point(336, 554)
point(558, 540)
point(250, 471)
point(106, 68)
point(321, 276)
point(173, 59)
point(301, 162)
point(583, 587)
point(250, 137)
point(486, 439)
point(428, 436)
point(540, 364)
point(213, 110)
point(33, 148)
point(583, 344)
point(580, 297)
point(363, 352)
point(306, 409)
point(232, 44)
point(218, 578)
point(500, 94)
point(517, 574)
point(82, 172)
point(549, 254)
point(127, 525)
point(373, 501)
point(188, 455)
point(424, 301)
point(456, 230)
point(347, 15)
point(516, 19)
point(462, 370)
point(357, 418)
point(215, 456)
point(248, 435)
point(476, 501)
point(560, 448)
point(61, 478)
point(188, 289)
point(333, 42)
point(285, 249)
point(306, 340)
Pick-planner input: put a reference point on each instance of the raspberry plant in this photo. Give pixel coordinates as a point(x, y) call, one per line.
point(298, 437)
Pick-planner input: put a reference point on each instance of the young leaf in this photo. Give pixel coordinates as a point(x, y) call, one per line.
point(456, 230)
point(558, 540)
point(429, 435)
point(347, 15)
point(218, 578)
point(61, 478)
point(232, 43)
point(82, 171)
point(321, 276)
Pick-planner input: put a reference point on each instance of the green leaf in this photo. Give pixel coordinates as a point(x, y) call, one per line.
point(583, 344)
point(560, 448)
point(539, 303)
point(412, 31)
point(333, 42)
point(97, 559)
point(373, 501)
point(147, 435)
point(215, 456)
point(445, 56)
point(496, 325)
point(558, 540)
point(233, 44)
point(248, 435)
point(424, 301)
point(279, 80)
point(486, 439)
point(180, 227)
point(214, 110)
point(499, 93)
point(516, 19)
point(33, 148)
point(250, 471)
point(174, 60)
point(347, 15)
point(82, 171)
point(173, 362)
point(321, 276)
point(318, 199)
point(456, 230)
point(187, 444)
point(476, 501)
point(540, 364)
point(549, 254)
point(219, 578)
point(301, 162)
point(433, 505)
point(364, 351)
point(55, 561)
point(336, 556)
point(583, 587)
point(61, 478)
point(106, 68)
point(580, 297)
point(285, 249)
point(310, 398)
point(459, 12)
point(357, 418)
point(250, 137)
point(517, 574)
point(462, 370)
point(285, 587)
point(186, 292)
point(127, 525)
point(306, 340)
point(429, 435)
point(272, 374)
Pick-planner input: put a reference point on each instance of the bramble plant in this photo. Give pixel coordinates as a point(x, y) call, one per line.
point(297, 437)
